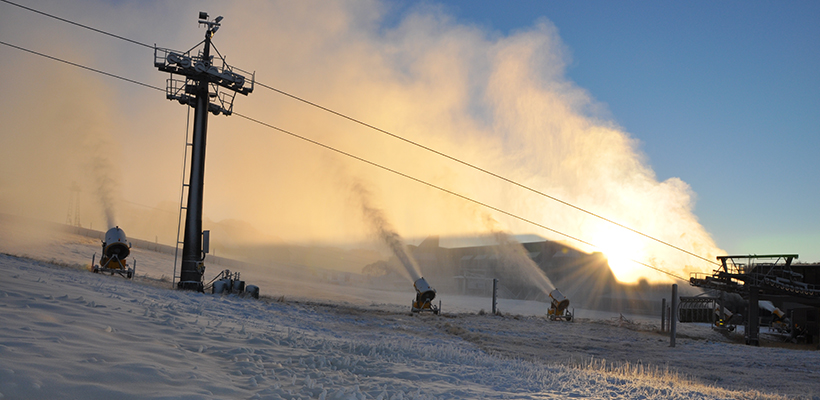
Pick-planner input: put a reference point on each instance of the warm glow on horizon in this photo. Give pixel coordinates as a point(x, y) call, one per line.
point(621, 248)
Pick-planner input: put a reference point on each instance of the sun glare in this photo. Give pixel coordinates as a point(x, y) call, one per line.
point(620, 249)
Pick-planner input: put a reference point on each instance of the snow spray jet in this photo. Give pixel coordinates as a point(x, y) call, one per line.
point(104, 187)
point(378, 222)
point(105, 184)
point(515, 259)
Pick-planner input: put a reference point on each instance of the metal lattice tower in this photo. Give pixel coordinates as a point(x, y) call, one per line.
point(73, 215)
point(209, 85)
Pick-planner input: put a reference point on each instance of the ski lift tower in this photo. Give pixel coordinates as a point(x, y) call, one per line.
point(208, 84)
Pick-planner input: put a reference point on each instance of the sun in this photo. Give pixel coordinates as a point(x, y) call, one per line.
point(621, 248)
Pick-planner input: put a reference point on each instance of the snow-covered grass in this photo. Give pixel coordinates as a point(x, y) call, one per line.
point(69, 333)
point(655, 376)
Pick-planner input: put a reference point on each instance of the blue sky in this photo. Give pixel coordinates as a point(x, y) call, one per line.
point(724, 95)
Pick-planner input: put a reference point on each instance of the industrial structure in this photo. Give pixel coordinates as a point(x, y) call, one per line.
point(208, 84)
point(72, 217)
point(793, 290)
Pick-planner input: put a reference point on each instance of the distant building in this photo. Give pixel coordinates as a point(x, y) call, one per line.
point(584, 278)
point(470, 270)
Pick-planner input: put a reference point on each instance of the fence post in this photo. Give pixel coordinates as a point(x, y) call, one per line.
point(663, 315)
point(672, 318)
point(495, 296)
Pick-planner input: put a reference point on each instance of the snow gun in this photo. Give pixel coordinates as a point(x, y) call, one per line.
point(424, 297)
point(780, 321)
point(115, 250)
point(228, 282)
point(558, 307)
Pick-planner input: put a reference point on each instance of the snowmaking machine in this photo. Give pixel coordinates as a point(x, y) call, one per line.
point(558, 307)
point(228, 282)
point(424, 298)
point(115, 250)
point(780, 321)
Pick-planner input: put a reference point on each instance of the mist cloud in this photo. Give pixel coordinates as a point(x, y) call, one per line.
point(384, 231)
point(501, 102)
point(514, 260)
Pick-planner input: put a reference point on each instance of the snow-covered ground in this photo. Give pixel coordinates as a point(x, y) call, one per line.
point(68, 333)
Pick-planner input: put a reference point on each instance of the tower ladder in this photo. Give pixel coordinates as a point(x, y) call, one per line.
point(183, 194)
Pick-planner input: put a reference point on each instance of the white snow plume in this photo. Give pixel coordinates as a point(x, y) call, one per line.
point(377, 221)
point(515, 259)
point(51, 142)
point(105, 182)
point(500, 101)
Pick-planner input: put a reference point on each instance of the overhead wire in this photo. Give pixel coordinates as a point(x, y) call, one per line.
point(411, 142)
point(81, 66)
point(480, 169)
point(147, 206)
point(358, 158)
point(445, 190)
point(77, 24)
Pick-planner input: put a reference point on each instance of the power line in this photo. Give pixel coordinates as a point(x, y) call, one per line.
point(77, 24)
point(146, 206)
point(434, 186)
point(477, 168)
point(82, 66)
point(359, 159)
point(395, 136)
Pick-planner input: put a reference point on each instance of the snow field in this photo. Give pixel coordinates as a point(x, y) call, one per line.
point(73, 334)
point(68, 333)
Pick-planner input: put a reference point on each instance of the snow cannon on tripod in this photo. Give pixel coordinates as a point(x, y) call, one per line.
point(228, 282)
point(558, 307)
point(424, 298)
point(115, 251)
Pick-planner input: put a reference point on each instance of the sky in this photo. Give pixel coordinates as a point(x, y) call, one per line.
point(724, 95)
point(694, 123)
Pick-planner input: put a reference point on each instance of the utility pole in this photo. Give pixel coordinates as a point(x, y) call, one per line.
point(203, 77)
point(73, 216)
